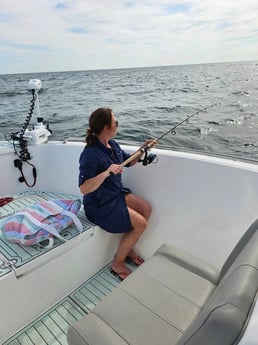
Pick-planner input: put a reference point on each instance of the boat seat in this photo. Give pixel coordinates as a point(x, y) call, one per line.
point(176, 298)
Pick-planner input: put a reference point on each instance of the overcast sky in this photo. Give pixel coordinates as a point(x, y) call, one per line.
point(50, 35)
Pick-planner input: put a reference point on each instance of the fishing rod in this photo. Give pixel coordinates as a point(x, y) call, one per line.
point(172, 130)
point(149, 158)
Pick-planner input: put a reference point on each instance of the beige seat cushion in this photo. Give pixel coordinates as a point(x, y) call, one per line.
point(158, 301)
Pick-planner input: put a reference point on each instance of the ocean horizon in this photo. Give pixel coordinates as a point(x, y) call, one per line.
point(147, 101)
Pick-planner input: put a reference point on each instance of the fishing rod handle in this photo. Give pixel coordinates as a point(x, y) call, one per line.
point(135, 155)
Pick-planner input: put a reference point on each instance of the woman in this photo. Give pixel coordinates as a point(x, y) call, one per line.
point(106, 202)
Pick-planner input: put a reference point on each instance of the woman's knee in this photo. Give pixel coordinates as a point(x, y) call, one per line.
point(141, 226)
point(138, 222)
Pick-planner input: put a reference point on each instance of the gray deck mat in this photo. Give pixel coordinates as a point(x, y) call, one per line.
point(51, 327)
point(20, 255)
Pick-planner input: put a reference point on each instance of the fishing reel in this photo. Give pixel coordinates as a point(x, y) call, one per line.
point(148, 158)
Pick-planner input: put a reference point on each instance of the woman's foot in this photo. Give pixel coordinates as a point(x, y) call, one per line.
point(134, 259)
point(119, 270)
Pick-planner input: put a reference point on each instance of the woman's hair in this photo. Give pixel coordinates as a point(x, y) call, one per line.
point(100, 118)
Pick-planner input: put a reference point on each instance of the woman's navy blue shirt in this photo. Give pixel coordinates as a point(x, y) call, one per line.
point(106, 205)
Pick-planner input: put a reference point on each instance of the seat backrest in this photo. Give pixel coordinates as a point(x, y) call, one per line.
point(239, 247)
point(223, 317)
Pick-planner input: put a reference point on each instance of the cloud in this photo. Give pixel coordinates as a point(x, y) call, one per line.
point(177, 8)
point(61, 5)
point(78, 30)
point(22, 46)
point(84, 34)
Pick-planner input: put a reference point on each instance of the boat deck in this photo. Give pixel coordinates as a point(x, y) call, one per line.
point(19, 255)
point(50, 328)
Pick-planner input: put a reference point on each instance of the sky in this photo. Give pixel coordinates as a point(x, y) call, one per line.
point(66, 35)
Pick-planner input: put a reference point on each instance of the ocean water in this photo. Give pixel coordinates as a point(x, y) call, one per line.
point(148, 102)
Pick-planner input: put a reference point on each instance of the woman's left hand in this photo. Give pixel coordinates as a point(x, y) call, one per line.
point(150, 143)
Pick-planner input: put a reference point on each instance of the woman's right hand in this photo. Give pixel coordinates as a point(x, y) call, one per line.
point(93, 183)
point(115, 169)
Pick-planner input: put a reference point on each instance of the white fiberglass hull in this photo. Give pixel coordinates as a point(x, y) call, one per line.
point(200, 203)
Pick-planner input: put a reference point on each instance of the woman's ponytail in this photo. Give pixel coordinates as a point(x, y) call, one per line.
point(90, 137)
point(100, 118)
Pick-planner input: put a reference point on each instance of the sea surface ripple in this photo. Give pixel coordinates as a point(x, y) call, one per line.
point(147, 102)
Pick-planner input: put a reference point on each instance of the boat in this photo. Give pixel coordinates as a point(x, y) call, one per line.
point(203, 228)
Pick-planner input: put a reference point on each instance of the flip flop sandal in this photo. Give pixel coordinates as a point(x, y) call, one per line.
point(4, 201)
point(118, 274)
point(134, 260)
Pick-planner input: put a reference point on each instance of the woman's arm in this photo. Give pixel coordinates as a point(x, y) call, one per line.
point(91, 184)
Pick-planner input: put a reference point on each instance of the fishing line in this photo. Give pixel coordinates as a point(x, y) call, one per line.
point(172, 130)
point(150, 158)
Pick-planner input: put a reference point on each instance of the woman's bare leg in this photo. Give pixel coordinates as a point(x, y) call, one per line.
point(139, 205)
point(139, 212)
